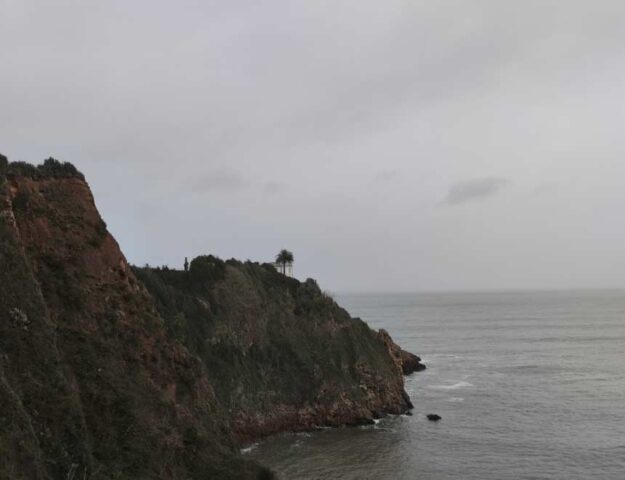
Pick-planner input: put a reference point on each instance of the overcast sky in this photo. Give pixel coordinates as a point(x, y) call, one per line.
point(391, 145)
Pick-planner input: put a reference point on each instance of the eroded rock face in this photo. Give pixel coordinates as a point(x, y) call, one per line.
point(287, 356)
point(410, 363)
point(406, 361)
point(101, 377)
point(91, 385)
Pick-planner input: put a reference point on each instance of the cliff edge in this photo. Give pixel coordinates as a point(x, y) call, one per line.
point(103, 378)
point(91, 385)
point(283, 355)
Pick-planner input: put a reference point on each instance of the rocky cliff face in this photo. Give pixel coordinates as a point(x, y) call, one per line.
point(406, 361)
point(101, 378)
point(91, 386)
point(283, 355)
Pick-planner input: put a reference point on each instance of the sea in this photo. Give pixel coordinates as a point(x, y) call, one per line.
point(529, 385)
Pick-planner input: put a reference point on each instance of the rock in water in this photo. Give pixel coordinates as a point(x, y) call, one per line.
point(410, 363)
point(432, 417)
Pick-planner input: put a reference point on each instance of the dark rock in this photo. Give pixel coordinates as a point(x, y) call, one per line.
point(410, 363)
point(377, 414)
point(408, 413)
point(406, 398)
point(432, 417)
point(406, 361)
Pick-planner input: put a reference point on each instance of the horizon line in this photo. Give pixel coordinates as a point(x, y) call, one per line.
point(479, 290)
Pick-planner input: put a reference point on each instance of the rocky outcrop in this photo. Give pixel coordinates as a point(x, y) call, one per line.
point(91, 384)
point(102, 378)
point(406, 361)
point(410, 363)
point(286, 355)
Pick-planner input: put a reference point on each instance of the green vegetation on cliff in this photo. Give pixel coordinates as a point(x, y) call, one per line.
point(91, 386)
point(50, 168)
point(283, 355)
point(102, 378)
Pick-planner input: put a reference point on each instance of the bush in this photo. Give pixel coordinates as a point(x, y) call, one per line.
point(22, 169)
point(207, 269)
point(20, 202)
point(50, 168)
point(100, 228)
point(4, 164)
point(310, 299)
point(53, 168)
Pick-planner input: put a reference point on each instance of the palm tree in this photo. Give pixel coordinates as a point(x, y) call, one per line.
point(284, 258)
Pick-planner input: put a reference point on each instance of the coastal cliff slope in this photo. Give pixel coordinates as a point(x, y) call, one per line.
point(91, 385)
point(281, 354)
point(103, 378)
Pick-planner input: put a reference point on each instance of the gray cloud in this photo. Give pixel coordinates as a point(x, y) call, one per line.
point(385, 175)
point(545, 188)
point(474, 189)
point(271, 187)
point(329, 127)
point(223, 179)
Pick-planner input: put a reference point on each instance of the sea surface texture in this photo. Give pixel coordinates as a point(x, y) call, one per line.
point(529, 385)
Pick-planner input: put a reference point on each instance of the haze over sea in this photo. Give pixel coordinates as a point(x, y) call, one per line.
point(530, 385)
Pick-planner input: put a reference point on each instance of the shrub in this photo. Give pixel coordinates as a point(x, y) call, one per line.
point(207, 269)
point(22, 169)
point(53, 168)
point(50, 168)
point(100, 228)
point(4, 164)
point(20, 202)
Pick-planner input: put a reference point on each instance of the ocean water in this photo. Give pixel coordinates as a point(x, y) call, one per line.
point(530, 385)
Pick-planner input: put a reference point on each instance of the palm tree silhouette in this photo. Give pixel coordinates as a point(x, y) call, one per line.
point(283, 259)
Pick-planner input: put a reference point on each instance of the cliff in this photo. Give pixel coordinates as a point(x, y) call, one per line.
point(91, 385)
point(103, 378)
point(283, 355)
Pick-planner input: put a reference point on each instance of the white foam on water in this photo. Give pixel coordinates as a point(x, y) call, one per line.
point(455, 386)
